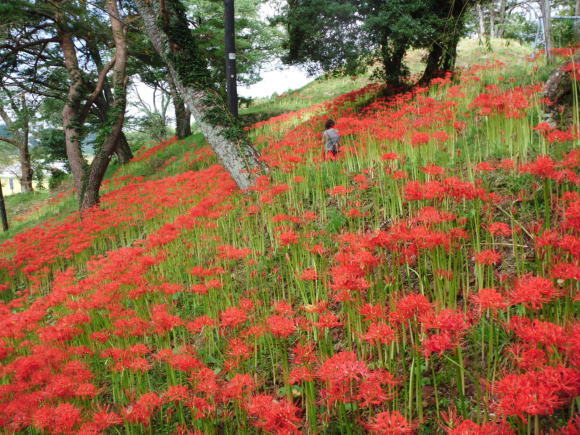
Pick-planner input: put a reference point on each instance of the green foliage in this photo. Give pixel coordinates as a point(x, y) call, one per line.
point(51, 147)
point(257, 41)
point(56, 178)
point(192, 69)
point(348, 35)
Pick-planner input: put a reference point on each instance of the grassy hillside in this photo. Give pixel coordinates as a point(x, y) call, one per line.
point(425, 280)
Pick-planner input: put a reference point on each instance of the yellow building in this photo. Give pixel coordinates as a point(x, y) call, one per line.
point(10, 183)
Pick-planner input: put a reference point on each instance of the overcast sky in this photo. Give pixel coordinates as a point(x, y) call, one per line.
point(274, 80)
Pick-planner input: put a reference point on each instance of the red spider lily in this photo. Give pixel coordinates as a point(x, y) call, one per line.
point(229, 252)
point(142, 410)
point(288, 238)
point(468, 427)
point(339, 190)
point(527, 357)
point(409, 307)
point(305, 353)
point(199, 323)
point(487, 257)
point(371, 390)
point(102, 420)
point(499, 228)
point(274, 415)
point(390, 423)
point(58, 420)
point(281, 327)
point(328, 320)
point(533, 292)
point(309, 275)
point(537, 331)
point(372, 313)
point(301, 374)
point(485, 167)
point(536, 392)
point(379, 332)
point(489, 299)
point(238, 388)
point(341, 373)
point(232, 317)
point(176, 393)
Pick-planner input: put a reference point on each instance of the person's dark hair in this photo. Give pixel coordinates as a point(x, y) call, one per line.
point(329, 124)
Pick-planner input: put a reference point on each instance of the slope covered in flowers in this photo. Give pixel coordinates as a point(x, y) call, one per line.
point(424, 281)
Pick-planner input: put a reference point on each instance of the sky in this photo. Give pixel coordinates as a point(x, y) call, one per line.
point(275, 79)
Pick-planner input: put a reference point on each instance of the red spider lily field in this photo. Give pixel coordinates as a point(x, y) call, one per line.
point(423, 281)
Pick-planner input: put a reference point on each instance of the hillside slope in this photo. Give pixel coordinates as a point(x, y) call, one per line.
point(424, 280)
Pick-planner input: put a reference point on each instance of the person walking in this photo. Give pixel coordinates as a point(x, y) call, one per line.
point(331, 138)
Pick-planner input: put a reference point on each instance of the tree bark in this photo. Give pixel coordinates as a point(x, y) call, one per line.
point(25, 169)
point(443, 54)
point(167, 27)
point(90, 194)
point(123, 152)
point(492, 21)
point(502, 19)
point(577, 22)
point(3, 216)
point(72, 107)
point(547, 23)
point(182, 113)
point(481, 32)
point(558, 91)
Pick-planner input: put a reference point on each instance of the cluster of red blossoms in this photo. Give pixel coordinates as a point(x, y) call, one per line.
point(415, 283)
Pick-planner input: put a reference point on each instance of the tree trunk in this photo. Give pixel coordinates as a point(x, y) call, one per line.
point(72, 108)
point(393, 66)
point(547, 24)
point(90, 194)
point(443, 54)
point(558, 91)
point(182, 113)
point(167, 27)
point(502, 19)
point(481, 32)
point(432, 64)
point(26, 169)
point(3, 216)
point(491, 21)
point(123, 152)
point(577, 22)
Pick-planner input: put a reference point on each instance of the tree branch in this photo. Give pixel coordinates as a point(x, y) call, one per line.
point(18, 47)
point(98, 88)
point(9, 140)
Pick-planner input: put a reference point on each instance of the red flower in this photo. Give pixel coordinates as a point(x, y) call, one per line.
point(390, 423)
point(274, 415)
point(232, 317)
point(489, 299)
point(487, 257)
point(533, 292)
point(309, 275)
point(281, 327)
point(379, 332)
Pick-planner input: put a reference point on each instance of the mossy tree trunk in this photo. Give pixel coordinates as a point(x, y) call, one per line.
point(87, 179)
point(116, 115)
point(167, 27)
